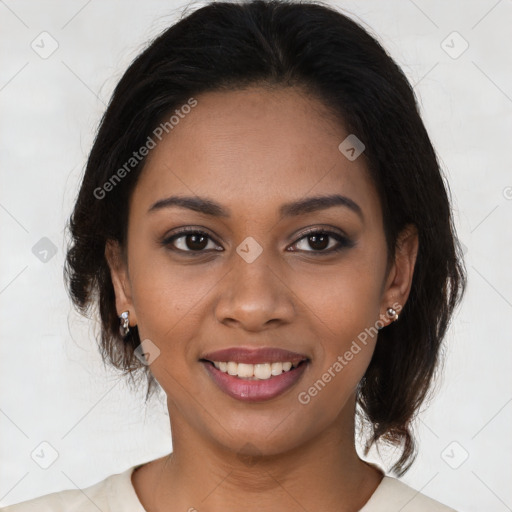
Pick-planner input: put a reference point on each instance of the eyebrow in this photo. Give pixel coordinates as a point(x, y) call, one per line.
point(292, 209)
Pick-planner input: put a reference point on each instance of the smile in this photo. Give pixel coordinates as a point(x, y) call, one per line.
point(262, 371)
point(254, 382)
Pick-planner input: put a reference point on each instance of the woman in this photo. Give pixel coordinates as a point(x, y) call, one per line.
point(267, 234)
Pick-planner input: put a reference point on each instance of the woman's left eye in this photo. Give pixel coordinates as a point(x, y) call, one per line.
point(319, 241)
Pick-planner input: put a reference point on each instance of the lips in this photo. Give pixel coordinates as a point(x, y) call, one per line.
point(253, 389)
point(254, 355)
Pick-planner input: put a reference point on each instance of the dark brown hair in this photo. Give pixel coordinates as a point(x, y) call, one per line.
point(284, 43)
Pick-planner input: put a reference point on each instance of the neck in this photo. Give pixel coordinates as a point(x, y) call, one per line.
point(324, 473)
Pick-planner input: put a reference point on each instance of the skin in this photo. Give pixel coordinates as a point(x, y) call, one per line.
point(252, 150)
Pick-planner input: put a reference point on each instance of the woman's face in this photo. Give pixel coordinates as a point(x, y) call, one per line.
point(256, 280)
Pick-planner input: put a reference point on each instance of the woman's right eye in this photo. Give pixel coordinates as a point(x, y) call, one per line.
point(189, 241)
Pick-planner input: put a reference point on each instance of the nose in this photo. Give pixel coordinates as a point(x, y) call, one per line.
point(255, 296)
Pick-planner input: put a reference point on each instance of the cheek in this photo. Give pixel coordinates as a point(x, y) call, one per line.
point(169, 300)
point(342, 306)
point(345, 311)
point(342, 300)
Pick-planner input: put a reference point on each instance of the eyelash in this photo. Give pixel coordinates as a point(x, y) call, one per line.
point(342, 241)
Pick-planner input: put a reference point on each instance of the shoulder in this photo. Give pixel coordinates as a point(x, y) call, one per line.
point(392, 495)
point(109, 495)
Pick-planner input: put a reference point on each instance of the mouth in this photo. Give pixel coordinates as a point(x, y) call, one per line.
point(255, 382)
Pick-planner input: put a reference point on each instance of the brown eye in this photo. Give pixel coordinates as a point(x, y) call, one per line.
point(189, 241)
point(195, 242)
point(320, 241)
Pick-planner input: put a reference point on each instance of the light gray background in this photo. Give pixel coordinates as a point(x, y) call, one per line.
point(53, 386)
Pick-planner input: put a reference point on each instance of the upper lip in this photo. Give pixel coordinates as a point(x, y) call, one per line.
point(254, 355)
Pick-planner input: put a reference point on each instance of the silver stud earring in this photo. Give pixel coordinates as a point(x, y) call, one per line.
point(392, 314)
point(124, 329)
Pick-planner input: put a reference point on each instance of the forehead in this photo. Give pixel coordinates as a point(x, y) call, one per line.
point(252, 149)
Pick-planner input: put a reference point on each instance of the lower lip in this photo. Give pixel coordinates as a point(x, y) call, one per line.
point(255, 390)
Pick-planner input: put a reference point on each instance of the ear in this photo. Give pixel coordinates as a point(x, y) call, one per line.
point(399, 280)
point(120, 279)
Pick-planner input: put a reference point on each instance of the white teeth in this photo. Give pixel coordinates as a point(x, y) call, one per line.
point(232, 368)
point(261, 371)
point(245, 370)
point(276, 368)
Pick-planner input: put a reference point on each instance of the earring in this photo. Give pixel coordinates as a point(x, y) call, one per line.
point(124, 329)
point(392, 313)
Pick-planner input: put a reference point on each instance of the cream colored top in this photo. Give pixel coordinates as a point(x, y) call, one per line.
point(117, 494)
